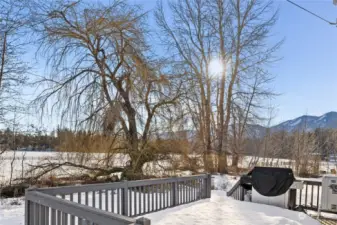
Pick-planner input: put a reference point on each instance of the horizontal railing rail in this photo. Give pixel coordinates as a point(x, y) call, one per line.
point(103, 186)
point(233, 192)
point(134, 198)
point(127, 198)
point(237, 191)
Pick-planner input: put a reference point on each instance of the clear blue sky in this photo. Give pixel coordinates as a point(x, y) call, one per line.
point(307, 74)
point(306, 77)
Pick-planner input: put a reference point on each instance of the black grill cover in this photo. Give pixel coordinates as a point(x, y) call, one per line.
point(270, 181)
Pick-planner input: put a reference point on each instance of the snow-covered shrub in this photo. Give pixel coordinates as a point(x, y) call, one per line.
point(219, 182)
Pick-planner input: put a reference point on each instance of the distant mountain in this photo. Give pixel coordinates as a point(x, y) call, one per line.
point(254, 130)
point(308, 123)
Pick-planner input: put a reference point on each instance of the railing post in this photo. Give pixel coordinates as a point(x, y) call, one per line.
point(204, 188)
point(174, 195)
point(206, 192)
point(209, 181)
point(125, 199)
point(28, 208)
point(242, 193)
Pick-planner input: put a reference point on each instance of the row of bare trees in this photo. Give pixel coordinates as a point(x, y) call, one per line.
point(235, 33)
point(306, 152)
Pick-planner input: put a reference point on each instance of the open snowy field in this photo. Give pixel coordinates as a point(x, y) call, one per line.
point(15, 164)
point(215, 211)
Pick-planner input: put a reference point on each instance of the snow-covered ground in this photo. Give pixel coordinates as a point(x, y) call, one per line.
point(21, 162)
point(218, 210)
point(16, 164)
point(12, 211)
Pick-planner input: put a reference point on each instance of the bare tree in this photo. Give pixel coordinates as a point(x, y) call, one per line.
point(13, 69)
point(251, 23)
point(190, 36)
point(248, 98)
point(103, 77)
point(233, 32)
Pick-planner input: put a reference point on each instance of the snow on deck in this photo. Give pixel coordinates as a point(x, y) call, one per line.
point(223, 210)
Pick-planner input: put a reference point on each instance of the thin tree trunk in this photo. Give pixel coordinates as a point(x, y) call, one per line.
point(3, 55)
point(222, 165)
